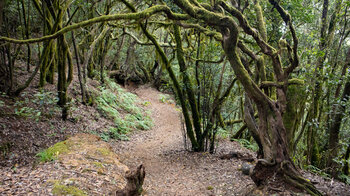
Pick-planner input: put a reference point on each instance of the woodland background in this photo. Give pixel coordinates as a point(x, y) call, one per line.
point(273, 75)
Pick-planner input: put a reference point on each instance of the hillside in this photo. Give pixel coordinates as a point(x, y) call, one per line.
point(88, 165)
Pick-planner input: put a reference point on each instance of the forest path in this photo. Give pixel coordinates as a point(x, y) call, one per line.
point(170, 169)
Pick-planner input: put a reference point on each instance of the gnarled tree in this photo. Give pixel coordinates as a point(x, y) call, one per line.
point(268, 94)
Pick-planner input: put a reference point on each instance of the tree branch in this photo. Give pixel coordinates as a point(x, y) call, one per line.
point(129, 16)
point(146, 43)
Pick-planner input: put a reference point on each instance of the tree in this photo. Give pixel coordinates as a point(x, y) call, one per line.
point(263, 65)
point(271, 132)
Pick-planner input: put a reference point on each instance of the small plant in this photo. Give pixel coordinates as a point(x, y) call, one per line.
point(247, 144)
point(44, 98)
point(210, 188)
point(105, 136)
point(318, 171)
point(28, 112)
point(146, 103)
point(2, 104)
point(2, 94)
point(5, 149)
point(344, 178)
point(164, 98)
point(222, 133)
point(52, 153)
point(114, 133)
point(118, 134)
point(45, 156)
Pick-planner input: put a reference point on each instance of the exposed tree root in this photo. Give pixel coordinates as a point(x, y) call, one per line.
point(134, 183)
point(283, 172)
point(292, 176)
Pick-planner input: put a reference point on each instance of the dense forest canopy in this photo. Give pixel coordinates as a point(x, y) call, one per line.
point(275, 73)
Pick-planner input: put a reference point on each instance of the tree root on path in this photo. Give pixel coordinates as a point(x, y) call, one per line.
point(282, 174)
point(294, 178)
point(134, 183)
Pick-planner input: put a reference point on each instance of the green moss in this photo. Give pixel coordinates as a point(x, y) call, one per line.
point(261, 23)
point(98, 164)
point(210, 188)
point(296, 81)
point(52, 153)
point(59, 189)
point(104, 151)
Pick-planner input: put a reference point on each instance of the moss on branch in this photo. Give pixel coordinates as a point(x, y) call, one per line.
point(293, 81)
point(129, 16)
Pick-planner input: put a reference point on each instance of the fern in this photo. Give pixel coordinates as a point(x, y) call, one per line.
point(114, 100)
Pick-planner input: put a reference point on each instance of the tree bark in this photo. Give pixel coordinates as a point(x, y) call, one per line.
point(2, 5)
point(335, 130)
point(271, 131)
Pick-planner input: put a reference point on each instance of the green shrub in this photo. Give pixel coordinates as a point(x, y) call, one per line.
point(318, 171)
point(117, 133)
point(247, 144)
point(344, 178)
point(114, 101)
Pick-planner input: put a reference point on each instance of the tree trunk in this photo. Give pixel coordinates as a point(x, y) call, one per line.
point(335, 130)
point(346, 157)
point(2, 5)
point(26, 25)
point(62, 80)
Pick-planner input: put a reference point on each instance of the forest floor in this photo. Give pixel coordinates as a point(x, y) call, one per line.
point(170, 168)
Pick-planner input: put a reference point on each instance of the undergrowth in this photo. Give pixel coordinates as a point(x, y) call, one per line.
point(121, 106)
point(42, 104)
point(247, 144)
point(52, 153)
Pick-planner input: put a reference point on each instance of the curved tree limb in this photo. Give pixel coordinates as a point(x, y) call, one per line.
point(130, 16)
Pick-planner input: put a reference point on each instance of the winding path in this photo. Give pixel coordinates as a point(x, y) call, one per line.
point(170, 170)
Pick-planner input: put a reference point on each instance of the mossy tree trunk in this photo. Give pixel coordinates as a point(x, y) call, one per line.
point(271, 129)
point(26, 21)
point(338, 111)
point(2, 5)
point(327, 31)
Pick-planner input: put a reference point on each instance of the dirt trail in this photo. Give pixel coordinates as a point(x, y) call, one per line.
point(170, 170)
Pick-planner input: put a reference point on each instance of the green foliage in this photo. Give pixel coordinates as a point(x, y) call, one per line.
point(318, 171)
point(146, 103)
point(223, 133)
point(44, 101)
point(344, 178)
point(115, 133)
point(114, 101)
point(52, 152)
point(60, 189)
point(2, 104)
point(165, 98)
point(247, 144)
point(45, 98)
point(28, 112)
